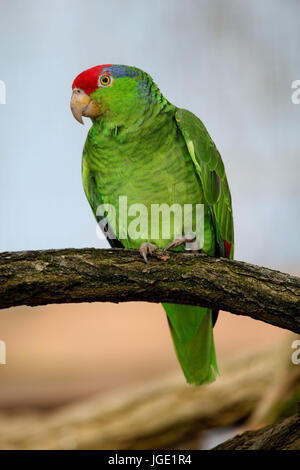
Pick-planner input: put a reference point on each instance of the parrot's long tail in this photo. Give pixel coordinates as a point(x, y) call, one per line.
point(192, 334)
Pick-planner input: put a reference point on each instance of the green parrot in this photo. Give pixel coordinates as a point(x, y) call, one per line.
point(143, 147)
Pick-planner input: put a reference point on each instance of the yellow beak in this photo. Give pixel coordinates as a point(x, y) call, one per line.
point(83, 105)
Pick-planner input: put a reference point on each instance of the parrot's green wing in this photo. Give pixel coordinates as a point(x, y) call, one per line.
point(191, 327)
point(210, 170)
point(91, 179)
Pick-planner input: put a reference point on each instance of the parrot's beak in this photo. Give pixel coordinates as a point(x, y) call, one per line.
point(83, 105)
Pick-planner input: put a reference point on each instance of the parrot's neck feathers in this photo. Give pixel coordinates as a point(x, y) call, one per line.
point(149, 115)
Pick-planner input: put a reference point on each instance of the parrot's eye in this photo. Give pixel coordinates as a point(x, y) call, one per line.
point(105, 80)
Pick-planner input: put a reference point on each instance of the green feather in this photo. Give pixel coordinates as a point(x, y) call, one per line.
point(210, 169)
point(192, 334)
point(147, 149)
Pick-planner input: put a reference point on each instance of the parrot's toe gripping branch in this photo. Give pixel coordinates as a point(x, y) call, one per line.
point(147, 249)
point(188, 240)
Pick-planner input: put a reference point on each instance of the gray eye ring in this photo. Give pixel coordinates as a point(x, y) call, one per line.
point(105, 80)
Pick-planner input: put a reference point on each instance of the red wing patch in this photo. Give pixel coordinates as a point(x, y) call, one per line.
point(227, 248)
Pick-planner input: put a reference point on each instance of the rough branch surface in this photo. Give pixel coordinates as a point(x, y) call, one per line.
point(90, 275)
point(279, 436)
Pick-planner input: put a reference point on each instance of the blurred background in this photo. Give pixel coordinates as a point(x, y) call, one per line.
point(230, 62)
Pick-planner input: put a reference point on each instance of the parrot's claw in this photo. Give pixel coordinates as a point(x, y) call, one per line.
point(188, 240)
point(147, 249)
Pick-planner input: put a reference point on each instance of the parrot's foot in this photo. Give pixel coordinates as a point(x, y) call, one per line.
point(147, 249)
point(188, 240)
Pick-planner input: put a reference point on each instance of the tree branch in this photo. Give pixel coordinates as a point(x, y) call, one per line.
point(116, 275)
point(279, 436)
point(158, 414)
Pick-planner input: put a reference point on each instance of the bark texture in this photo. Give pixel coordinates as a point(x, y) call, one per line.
point(280, 436)
point(90, 275)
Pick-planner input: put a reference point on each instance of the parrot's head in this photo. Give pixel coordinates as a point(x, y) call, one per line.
point(113, 92)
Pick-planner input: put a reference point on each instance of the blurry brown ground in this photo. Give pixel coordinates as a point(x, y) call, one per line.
point(63, 352)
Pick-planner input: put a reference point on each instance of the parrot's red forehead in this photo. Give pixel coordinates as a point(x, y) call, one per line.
point(88, 80)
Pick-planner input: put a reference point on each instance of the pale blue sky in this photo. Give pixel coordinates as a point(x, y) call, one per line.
point(231, 62)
